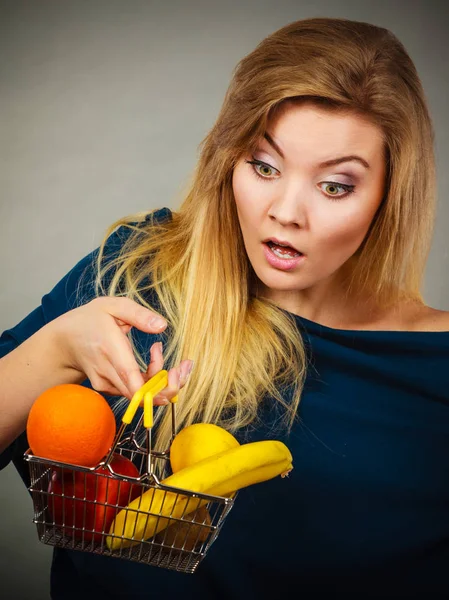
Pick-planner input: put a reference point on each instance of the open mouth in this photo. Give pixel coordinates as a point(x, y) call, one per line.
point(283, 251)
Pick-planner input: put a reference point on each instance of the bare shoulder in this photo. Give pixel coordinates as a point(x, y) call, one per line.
point(430, 319)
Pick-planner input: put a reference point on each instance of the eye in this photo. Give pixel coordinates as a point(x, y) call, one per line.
point(336, 190)
point(262, 170)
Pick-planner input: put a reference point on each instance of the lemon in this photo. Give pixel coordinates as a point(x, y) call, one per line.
point(197, 442)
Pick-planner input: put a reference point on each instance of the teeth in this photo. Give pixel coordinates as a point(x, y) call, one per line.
point(281, 254)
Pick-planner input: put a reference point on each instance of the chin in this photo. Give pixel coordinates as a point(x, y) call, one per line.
point(279, 282)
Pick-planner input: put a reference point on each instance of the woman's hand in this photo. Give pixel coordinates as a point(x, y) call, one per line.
point(93, 342)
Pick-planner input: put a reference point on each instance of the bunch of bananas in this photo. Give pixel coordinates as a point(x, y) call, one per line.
point(217, 466)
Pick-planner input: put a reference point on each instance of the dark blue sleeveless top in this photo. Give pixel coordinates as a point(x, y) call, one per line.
point(363, 514)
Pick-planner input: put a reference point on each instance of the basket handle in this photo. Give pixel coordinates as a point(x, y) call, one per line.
point(146, 393)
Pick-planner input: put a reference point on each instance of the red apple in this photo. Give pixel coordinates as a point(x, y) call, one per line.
point(77, 498)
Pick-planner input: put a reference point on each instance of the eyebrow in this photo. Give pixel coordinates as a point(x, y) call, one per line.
point(343, 159)
point(272, 143)
point(327, 163)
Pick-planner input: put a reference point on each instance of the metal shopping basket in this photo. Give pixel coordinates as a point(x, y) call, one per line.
point(74, 505)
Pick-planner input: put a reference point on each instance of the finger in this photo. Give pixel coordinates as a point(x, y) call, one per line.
point(124, 365)
point(131, 313)
point(123, 326)
point(156, 360)
point(186, 367)
point(184, 370)
point(104, 385)
point(172, 390)
point(160, 400)
point(132, 377)
point(122, 380)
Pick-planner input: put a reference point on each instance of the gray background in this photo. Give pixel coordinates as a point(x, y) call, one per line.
point(103, 105)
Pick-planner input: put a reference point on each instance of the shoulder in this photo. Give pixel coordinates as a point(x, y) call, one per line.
point(414, 316)
point(123, 242)
point(160, 215)
point(127, 233)
point(430, 319)
point(122, 229)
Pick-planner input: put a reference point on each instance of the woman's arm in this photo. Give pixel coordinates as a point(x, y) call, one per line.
point(62, 341)
point(88, 342)
point(25, 373)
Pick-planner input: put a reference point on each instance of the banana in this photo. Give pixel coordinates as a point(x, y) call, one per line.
point(219, 475)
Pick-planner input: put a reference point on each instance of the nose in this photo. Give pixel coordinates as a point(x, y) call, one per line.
point(288, 209)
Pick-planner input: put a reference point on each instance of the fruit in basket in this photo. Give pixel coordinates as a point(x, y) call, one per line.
point(185, 534)
point(218, 475)
point(197, 442)
point(191, 445)
point(71, 423)
point(80, 500)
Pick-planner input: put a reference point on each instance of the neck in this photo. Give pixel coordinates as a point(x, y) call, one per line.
point(329, 303)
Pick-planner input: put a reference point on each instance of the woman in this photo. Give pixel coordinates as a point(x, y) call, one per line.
point(291, 277)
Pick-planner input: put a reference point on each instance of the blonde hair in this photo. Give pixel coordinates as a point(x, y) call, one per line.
point(244, 347)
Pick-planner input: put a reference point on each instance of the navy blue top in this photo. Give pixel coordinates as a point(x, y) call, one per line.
point(365, 511)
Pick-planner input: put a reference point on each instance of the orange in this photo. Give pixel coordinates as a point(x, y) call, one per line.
point(70, 423)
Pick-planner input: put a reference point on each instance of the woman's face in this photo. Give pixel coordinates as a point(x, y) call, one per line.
point(315, 185)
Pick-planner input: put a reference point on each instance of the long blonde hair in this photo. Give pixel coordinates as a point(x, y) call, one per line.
point(245, 347)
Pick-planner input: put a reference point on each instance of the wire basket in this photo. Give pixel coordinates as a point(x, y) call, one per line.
point(74, 506)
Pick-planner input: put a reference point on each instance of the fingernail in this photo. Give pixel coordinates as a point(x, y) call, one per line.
point(189, 368)
point(157, 322)
point(156, 346)
point(159, 399)
point(186, 369)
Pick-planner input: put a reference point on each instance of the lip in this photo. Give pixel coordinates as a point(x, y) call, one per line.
point(282, 242)
point(282, 264)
